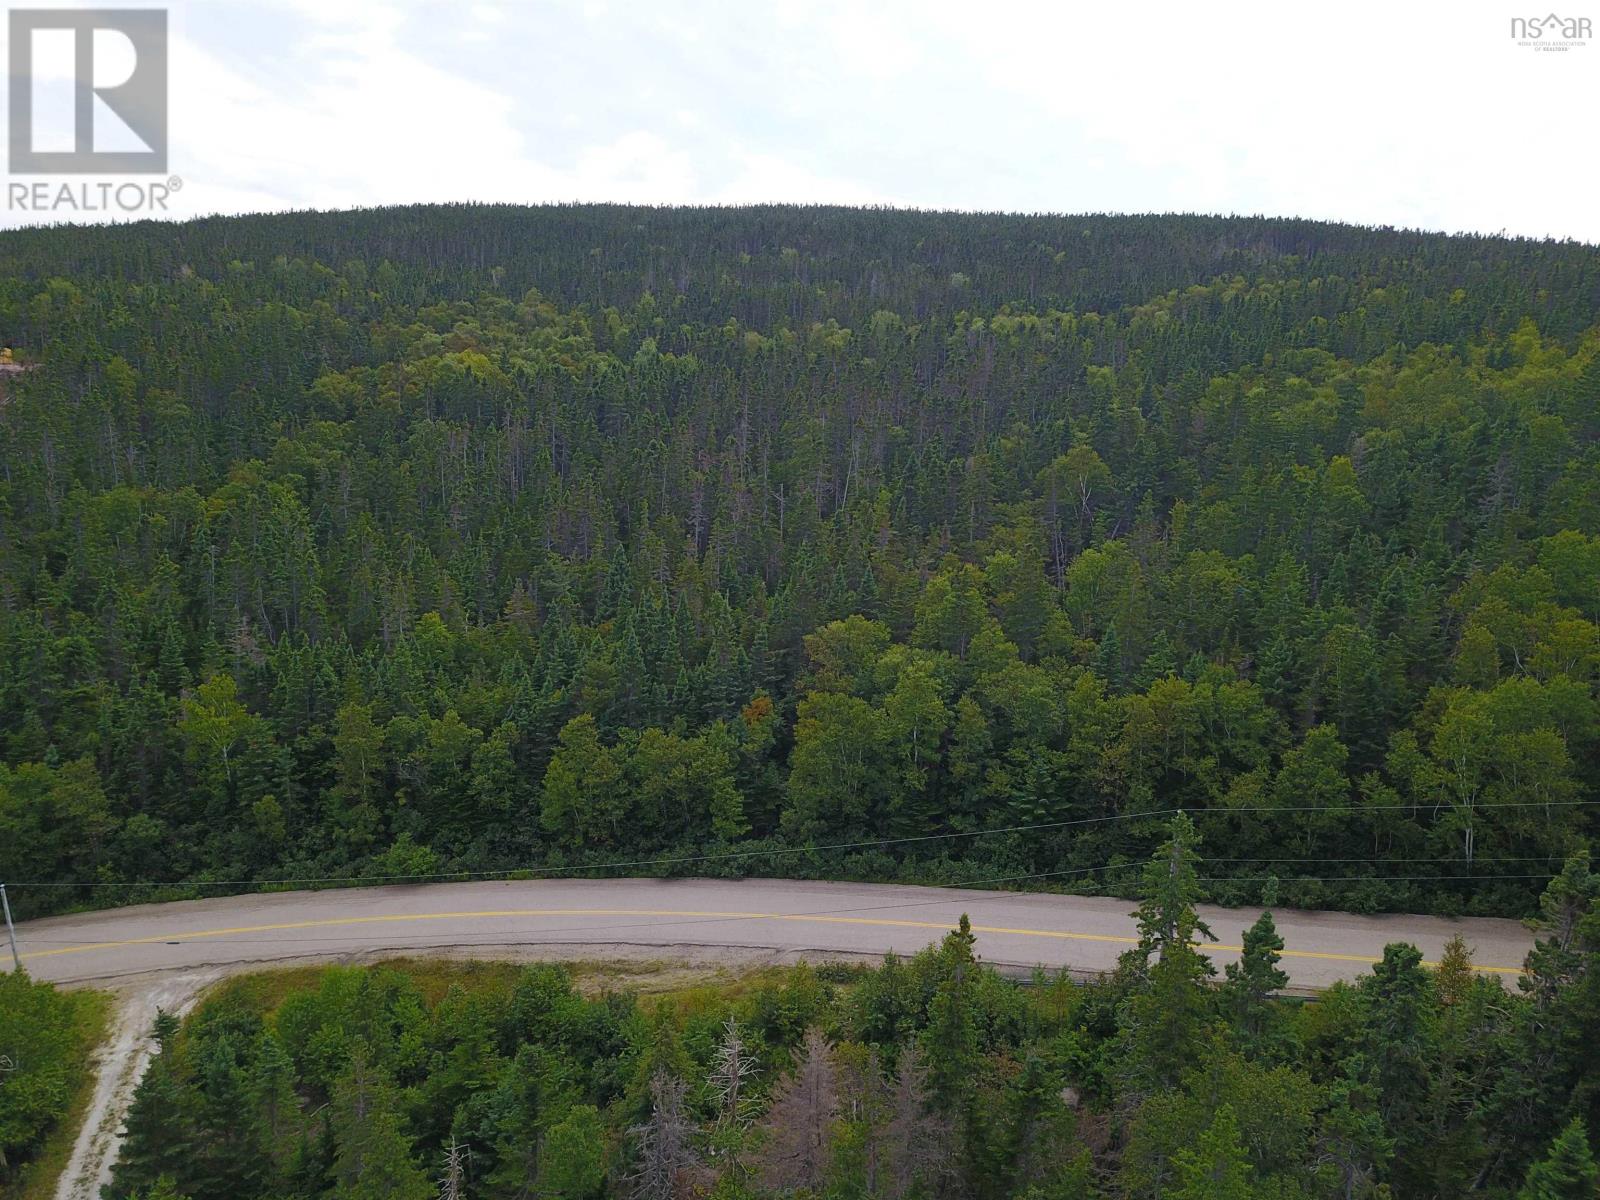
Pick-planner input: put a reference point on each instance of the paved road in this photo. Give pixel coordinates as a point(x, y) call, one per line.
point(695, 917)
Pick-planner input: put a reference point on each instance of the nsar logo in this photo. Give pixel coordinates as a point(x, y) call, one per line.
point(1551, 32)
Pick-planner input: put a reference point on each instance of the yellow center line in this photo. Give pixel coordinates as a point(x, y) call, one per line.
point(502, 914)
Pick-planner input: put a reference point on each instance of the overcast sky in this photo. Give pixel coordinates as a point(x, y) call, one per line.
point(1409, 112)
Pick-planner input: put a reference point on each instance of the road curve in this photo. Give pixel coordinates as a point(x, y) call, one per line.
point(782, 917)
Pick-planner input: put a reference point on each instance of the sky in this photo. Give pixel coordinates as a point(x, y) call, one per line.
point(1413, 113)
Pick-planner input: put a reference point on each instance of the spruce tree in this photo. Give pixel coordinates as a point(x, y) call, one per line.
point(1165, 1016)
point(159, 1134)
point(372, 1158)
point(572, 1160)
point(1252, 981)
point(1217, 1168)
point(1108, 663)
point(1567, 1171)
point(950, 1042)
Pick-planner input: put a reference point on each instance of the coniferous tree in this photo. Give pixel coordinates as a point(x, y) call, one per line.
point(663, 1147)
point(159, 1136)
point(1253, 980)
point(1217, 1168)
point(1567, 1171)
point(799, 1128)
point(950, 1042)
point(572, 1165)
point(1165, 1016)
point(372, 1156)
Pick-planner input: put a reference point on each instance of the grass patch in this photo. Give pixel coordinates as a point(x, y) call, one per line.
point(264, 991)
point(91, 1019)
point(686, 987)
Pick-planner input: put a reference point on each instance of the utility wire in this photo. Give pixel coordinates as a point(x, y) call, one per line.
point(1544, 858)
point(514, 873)
point(1366, 878)
point(719, 856)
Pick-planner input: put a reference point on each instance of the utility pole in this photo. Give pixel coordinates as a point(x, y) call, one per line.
point(11, 930)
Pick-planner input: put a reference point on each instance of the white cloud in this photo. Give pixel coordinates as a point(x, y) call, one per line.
point(1420, 114)
point(764, 178)
point(639, 168)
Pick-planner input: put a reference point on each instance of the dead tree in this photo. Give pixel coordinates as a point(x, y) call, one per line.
point(452, 1184)
point(799, 1123)
point(731, 1067)
point(664, 1141)
point(918, 1142)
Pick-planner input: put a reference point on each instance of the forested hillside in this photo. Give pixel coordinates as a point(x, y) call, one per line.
point(471, 539)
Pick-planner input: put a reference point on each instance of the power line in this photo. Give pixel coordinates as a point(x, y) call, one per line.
point(1352, 810)
point(1544, 858)
point(515, 873)
point(1366, 878)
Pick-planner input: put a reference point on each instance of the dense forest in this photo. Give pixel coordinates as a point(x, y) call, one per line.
point(49, 1045)
point(924, 1079)
point(857, 543)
